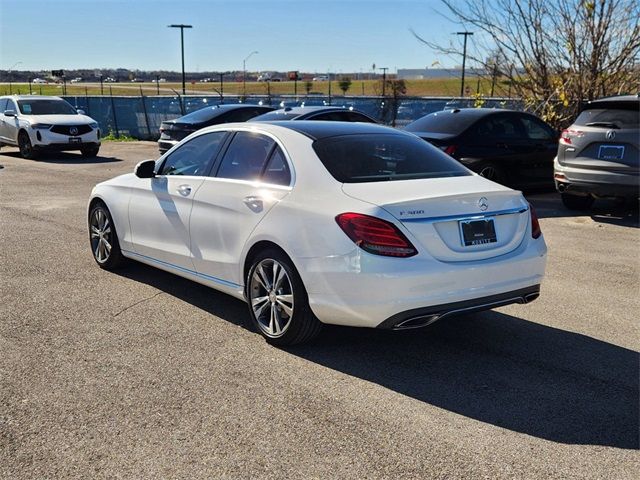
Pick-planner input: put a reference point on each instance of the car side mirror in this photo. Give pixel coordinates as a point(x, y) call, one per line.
point(145, 169)
point(80, 111)
point(9, 113)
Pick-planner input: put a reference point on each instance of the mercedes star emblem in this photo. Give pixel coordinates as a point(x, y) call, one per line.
point(483, 203)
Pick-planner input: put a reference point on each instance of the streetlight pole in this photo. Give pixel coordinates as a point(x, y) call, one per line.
point(222, 86)
point(384, 79)
point(11, 76)
point(182, 27)
point(244, 73)
point(464, 58)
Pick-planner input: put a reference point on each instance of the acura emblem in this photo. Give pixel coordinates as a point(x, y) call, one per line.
point(483, 203)
point(73, 130)
point(611, 135)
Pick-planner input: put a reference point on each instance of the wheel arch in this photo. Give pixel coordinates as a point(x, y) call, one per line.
point(255, 249)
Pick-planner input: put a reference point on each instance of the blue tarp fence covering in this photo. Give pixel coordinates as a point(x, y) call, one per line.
point(140, 117)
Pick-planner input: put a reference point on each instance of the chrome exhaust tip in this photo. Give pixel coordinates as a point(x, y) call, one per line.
point(417, 322)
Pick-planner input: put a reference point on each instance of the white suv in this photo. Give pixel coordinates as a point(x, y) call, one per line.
point(36, 123)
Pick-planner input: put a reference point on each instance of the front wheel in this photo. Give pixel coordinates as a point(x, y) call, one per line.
point(104, 239)
point(26, 148)
point(90, 152)
point(278, 302)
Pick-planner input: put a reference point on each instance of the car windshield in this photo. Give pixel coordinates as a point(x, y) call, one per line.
point(384, 157)
point(620, 115)
point(45, 107)
point(442, 122)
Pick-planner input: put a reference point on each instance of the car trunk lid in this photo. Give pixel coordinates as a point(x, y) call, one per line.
point(484, 220)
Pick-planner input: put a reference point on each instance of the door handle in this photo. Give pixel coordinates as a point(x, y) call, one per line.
point(254, 203)
point(184, 190)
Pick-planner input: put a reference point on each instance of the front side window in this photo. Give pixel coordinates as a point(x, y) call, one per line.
point(3, 105)
point(193, 157)
point(246, 156)
point(43, 106)
point(384, 157)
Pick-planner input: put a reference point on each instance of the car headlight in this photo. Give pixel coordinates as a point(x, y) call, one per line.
point(41, 126)
point(93, 125)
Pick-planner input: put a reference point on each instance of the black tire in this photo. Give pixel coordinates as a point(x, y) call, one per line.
point(492, 172)
point(26, 149)
point(577, 202)
point(298, 327)
point(90, 152)
point(108, 259)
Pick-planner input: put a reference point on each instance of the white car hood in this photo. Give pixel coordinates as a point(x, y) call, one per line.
point(59, 119)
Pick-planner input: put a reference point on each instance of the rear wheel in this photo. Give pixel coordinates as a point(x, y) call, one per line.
point(492, 172)
point(278, 302)
point(577, 202)
point(104, 239)
point(24, 144)
point(90, 152)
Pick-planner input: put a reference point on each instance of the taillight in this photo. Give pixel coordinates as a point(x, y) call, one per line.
point(451, 149)
point(567, 135)
point(535, 224)
point(375, 236)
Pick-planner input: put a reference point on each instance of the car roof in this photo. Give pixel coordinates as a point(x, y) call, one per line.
point(319, 129)
point(32, 97)
point(618, 98)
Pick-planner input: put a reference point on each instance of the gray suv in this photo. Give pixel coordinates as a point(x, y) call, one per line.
point(599, 155)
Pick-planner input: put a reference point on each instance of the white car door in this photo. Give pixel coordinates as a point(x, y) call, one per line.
point(8, 125)
point(160, 207)
point(251, 178)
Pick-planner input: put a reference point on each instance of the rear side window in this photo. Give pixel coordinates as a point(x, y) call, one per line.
point(537, 130)
point(194, 157)
point(3, 105)
point(498, 127)
point(246, 156)
point(241, 115)
point(386, 157)
point(620, 115)
point(331, 116)
point(277, 170)
point(358, 117)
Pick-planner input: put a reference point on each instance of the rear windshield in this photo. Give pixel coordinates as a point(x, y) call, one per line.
point(45, 107)
point(275, 115)
point(612, 115)
point(442, 122)
point(384, 157)
point(202, 115)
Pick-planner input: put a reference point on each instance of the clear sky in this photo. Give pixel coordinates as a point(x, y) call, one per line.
point(306, 35)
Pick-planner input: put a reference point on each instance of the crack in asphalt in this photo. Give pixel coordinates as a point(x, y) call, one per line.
point(138, 303)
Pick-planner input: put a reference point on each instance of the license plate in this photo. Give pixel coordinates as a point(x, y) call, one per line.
point(478, 232)
point(611, 152)
point(75, 140)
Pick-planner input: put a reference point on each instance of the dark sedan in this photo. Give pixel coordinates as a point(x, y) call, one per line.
point(334, 114)
point(172, 131)
point(508, 147)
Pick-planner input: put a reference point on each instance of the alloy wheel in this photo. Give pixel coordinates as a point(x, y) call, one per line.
point(101, 236)
point(271, 297)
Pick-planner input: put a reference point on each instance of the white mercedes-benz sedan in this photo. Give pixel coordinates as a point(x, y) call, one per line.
point(316, 222)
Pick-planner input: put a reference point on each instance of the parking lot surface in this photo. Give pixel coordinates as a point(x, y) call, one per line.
point(141, 374)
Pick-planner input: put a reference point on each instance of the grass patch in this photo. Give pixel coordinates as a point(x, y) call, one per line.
point(112, 137)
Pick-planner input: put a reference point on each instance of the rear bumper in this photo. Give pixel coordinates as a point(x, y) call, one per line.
point(582, 181)
point(364, 290)
point(164, 145)
point(421, 317)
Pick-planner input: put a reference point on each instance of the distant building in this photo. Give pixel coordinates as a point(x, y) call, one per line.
point(422, 73)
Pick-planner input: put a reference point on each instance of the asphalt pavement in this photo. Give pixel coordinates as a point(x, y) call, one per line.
point(142, 374)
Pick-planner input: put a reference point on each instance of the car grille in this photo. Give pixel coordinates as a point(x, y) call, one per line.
point(66, 129)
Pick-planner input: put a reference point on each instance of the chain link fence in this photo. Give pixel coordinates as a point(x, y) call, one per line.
point(140, 116)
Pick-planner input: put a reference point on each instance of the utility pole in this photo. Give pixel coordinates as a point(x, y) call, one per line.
point(464, 58)
point(244, 72)
point(384, 79)
point(182, 27)
point(221, 87)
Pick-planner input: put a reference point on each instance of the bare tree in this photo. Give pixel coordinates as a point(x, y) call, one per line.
point(553, 53)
